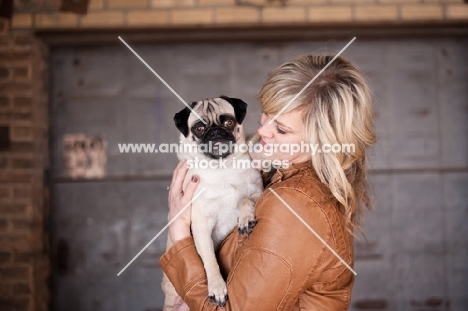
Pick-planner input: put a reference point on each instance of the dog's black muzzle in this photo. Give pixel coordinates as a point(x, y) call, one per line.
point(218, 136)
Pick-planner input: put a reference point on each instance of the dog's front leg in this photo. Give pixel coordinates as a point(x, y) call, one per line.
point(246, 220)
point(202, 228)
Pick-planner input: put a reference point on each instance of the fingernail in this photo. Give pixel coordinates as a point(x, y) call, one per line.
point(194, 178)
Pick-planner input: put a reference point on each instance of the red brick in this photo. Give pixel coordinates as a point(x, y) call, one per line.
point(21, 147)
point(22, 39)
point(22, 163)
point(15, 87)
point(4, 192)
point(25, 224)
point(5, 41)
point(22, 116)
point(13, 208)
point(4, 72)
point(3, 162)
point(5, 290)
point(4, 25)
point(14, 304)
point(5, 116)
point(22, 102)
point(7, 57)
point(21, 133)
point(21, 289)
point(3, 225)
point(26, 257)
point(17, 241)
point(20, 72)
point(22, 192)
point(4, 102)
point(5, 257)
point(15, 178)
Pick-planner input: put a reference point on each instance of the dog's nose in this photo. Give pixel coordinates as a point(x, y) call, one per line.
point(216, 133)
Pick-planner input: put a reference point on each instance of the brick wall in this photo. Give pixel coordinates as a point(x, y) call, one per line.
point(156, 13)
point(24, 264)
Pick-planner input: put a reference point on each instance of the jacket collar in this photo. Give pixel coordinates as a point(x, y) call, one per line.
point(293, 169)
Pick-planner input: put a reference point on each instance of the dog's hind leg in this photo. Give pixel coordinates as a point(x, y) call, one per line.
point(202, 227)
point(170, 293)
point(167, 287)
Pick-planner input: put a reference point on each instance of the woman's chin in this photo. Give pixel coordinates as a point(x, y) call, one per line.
point(256, 155)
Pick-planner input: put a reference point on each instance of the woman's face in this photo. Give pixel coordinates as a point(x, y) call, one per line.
point(281, 137)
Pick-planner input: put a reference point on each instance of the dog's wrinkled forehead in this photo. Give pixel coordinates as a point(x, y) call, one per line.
point(210, 109)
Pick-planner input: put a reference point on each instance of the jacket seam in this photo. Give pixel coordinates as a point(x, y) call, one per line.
point(192, 283)
point(329, 222)
point(265, 250)
point(321, 209)
point(319, 262)
point(225, 239)
point(340, 274)
point(174, 255)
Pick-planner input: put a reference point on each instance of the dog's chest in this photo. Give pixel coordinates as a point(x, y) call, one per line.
point(226, 187)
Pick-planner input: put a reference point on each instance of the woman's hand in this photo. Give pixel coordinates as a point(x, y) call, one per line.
point(180, 305)
point(178, 199)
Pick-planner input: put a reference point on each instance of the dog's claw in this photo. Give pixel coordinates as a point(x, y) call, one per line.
point(217, 291)
point(220, 301)
point(246, 230)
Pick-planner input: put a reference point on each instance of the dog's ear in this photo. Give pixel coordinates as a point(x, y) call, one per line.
point(240, 107)
point(181, 120)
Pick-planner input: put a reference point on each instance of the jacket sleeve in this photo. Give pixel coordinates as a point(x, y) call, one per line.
point(270, 268)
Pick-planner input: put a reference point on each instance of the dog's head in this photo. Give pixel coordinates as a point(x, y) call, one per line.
point(223, 117)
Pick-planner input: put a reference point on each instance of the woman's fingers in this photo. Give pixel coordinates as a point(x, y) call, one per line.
point(174, 173)
point(190, 189)
point(179, 178)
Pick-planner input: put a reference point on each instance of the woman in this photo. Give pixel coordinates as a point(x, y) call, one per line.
point(282, 265)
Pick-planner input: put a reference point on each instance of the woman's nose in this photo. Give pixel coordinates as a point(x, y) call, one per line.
point(265, 131)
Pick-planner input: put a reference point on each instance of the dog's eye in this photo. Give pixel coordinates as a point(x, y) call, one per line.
point(229, 123)
point(200, 129)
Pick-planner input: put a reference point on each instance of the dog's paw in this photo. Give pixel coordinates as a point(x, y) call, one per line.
point(217, 292)
point(246, 227)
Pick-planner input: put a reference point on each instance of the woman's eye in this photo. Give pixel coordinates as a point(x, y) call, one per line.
point(280, 131)
point(228, 123)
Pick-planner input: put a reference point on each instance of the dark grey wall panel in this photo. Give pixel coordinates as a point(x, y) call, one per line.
point(102, 226)
point(416, 250)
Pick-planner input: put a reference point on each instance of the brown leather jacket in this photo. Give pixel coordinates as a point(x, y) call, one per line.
point(282, 265)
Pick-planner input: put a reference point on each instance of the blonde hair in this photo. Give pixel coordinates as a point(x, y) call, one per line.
point(337, 110)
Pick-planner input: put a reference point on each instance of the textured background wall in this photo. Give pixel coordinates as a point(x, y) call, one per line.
point(415, 257)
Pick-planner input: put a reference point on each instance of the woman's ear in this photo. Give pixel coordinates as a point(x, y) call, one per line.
point(240, 107)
